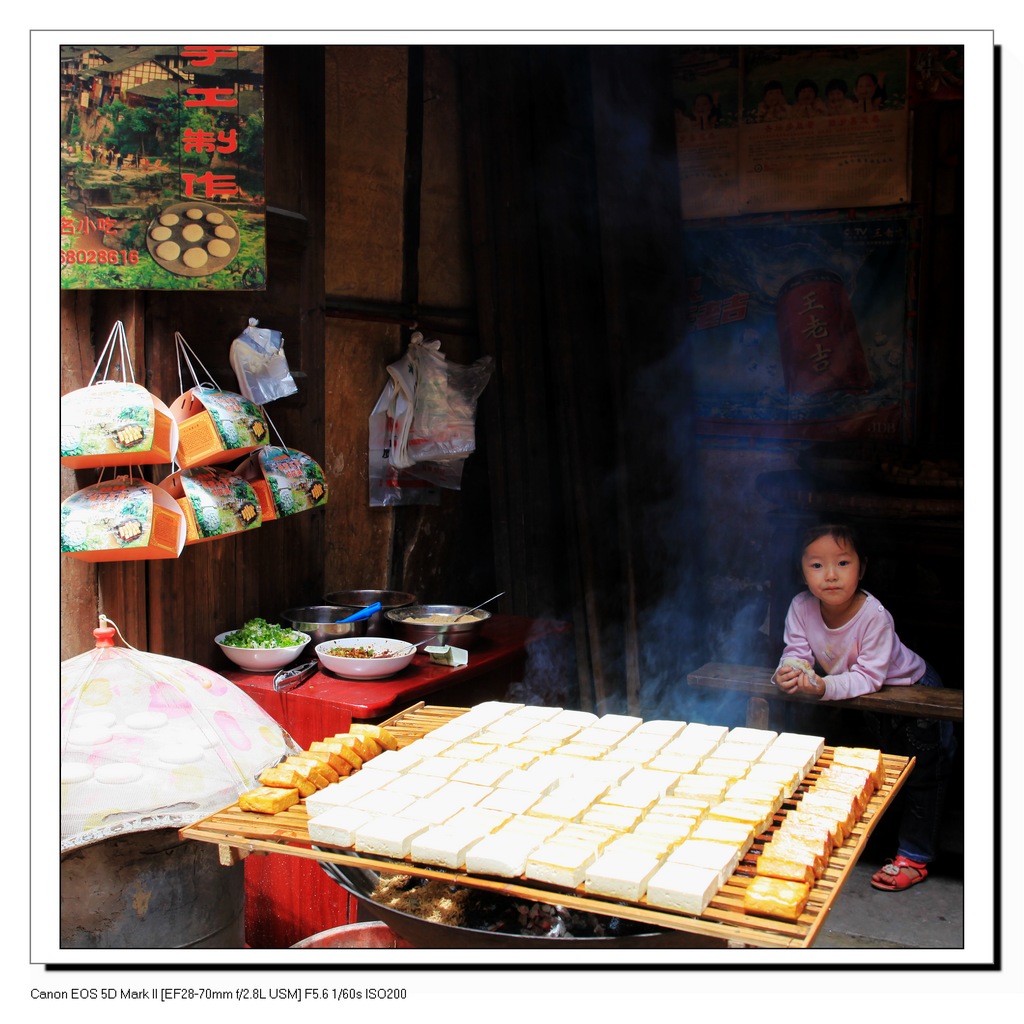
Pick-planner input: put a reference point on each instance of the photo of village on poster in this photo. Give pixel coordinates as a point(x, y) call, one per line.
point(761, 128)
point(162, 169)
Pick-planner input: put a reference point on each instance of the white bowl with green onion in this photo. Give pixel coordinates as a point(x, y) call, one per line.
point(262, 646)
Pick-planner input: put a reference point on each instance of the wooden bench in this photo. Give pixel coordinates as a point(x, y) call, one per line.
point(756, 682)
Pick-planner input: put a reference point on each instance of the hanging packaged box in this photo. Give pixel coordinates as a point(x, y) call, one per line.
point(216, 426)
point(122, 519)
point(215, 502)
point(285, 481)
point(115, 423)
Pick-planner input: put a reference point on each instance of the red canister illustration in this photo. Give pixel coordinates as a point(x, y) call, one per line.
point(818, 339)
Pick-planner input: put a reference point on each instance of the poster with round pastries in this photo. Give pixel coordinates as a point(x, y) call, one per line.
point(193, 238)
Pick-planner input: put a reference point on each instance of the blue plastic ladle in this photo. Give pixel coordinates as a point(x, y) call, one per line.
point(363, 613)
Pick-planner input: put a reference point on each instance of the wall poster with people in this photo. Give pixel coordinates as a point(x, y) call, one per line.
point(162, 167)
point(770, 128)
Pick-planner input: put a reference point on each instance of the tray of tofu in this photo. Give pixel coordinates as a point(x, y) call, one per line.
point(742, 836)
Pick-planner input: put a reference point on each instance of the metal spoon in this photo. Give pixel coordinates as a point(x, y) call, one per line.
point(478, 607)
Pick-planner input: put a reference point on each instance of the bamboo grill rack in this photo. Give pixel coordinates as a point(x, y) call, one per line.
point(723, 922)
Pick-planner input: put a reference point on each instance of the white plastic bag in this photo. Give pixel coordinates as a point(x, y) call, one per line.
point(257, 357)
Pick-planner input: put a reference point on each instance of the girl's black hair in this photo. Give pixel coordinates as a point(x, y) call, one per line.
point(806, 84)
point(773, 84)
point(841, 533)
point(836, 83)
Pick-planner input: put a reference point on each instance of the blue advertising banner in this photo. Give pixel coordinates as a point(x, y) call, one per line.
point(801, 326)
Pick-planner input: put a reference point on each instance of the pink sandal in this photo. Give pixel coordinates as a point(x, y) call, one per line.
point(899, 874)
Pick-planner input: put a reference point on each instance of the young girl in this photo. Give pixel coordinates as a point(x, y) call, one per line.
point(848, 637)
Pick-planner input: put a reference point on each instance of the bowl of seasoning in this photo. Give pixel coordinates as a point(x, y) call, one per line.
point(455, 624)
point(368, 657)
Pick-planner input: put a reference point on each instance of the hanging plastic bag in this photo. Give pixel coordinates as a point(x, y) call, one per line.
point(390, 486)
point(445, 396)
point(257, 357)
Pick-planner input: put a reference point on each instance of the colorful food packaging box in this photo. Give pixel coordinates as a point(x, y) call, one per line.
point(286, 481)
point(216, 426)
point(215, 503)
point(115, 423)
point(121, 520)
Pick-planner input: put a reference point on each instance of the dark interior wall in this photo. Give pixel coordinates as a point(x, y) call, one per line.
point(520, 202)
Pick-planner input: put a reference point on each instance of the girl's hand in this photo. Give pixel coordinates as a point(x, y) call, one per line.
point(793, 680)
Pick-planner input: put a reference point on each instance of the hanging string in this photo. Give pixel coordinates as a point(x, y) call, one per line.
point(107, 352)
point(280, 439)
point(184, 351)
point(105, 621)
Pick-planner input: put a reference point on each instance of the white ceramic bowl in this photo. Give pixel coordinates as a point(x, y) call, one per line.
point(262, 659)
point(365, 668)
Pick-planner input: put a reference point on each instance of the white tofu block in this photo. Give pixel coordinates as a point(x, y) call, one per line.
point(433, 809)
point(651, 843)
point(622, 875)
point(744, 734)
point(481, 773)
point(730, 833)
point(747, 752)
point(622, 819)
point(468, 750)
point(671, 827)
point(646, 778)
point(803, 741)
point(561, 732)
point(510, 727)
point(651, 742)
point(397, 761)
point(489, 711)
point(428, 746)
point(387, 836)
point(619, 723)
point(683, 887)
point(661, 727)
point(382, 802)
point(502, 853)
point(443, 846)
point(481, 819)
point(729, 769)
point(702, 853)
point(758, 791)
point(526, 824)
point(415, 785)
point(457, 730)
point(337, 826)
point(680, 764)
point(705, 787)
point(797, 758)
point(511, 757)
point(785, 775)
point(591, 751)
point(713, 732)
point(538, 712)
point(598, 736)
point(562, 863)
point(592, 836)
point(566, 803)
point(515, 801)
point(636, 757)
point(347, 790)
point(580, 718)
point(607, 773)
point(537, 745)
point(758, 815)
point(466, 794)
point(438, 767)
point(640, 798)
point(687, 806)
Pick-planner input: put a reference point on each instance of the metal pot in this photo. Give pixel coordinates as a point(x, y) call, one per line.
point(424, 934)
point(353, 600)
point(320, 621)
point(458, 634)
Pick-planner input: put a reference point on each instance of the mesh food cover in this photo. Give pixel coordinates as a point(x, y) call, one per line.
point(153, 742)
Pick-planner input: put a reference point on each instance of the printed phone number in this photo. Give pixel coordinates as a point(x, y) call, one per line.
point(100, 257)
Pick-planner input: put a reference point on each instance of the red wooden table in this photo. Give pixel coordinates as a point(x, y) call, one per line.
point(289, 898)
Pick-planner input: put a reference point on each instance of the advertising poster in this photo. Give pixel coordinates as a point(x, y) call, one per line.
point(801, 326)
point(162, 173)
point(769, 128)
